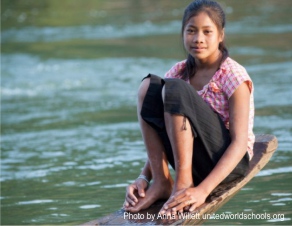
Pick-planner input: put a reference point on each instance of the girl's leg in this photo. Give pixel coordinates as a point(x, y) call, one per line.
point(205, 139)
point(161, 186)
point(181, 138)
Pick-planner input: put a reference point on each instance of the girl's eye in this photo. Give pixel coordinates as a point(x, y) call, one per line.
point(190, 30)
point(208, 31)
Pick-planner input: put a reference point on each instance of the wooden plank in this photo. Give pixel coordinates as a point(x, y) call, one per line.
point(264, 148)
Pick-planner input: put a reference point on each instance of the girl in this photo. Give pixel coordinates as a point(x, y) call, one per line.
point(199, 118)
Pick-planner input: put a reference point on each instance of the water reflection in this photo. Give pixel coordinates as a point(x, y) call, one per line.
point(70, 140)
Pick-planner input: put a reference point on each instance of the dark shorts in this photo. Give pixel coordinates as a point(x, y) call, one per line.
point(211, 138)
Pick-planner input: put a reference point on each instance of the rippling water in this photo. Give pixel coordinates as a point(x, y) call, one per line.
point(70, 142)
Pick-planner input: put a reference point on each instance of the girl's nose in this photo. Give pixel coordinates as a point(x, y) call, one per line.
point(198, 37)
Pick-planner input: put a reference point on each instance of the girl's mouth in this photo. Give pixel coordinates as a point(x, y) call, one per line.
point(198, 48)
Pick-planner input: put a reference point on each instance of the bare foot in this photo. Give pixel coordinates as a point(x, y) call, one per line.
point(158, 190)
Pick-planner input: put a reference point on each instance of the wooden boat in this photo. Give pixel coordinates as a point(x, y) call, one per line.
point(264, 148)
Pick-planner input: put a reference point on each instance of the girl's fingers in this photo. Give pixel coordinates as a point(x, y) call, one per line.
point(141, 191)
point(173, 200)
point(126, 204)
point(181, 206)
point(193, 207)
point(132, 197)
point(168, 213)
point(172, 204)
point(131, 201)
point(134, 191)
point(187, 208)
point(130, 194)
point(179, 194)
point(177, 201)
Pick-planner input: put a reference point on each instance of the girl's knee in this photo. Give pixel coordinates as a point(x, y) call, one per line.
point(176, 83)
point(143, 89)
point(163, 93)
point(177, 86)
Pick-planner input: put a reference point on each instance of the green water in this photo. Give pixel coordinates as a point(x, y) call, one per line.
point(70, 69)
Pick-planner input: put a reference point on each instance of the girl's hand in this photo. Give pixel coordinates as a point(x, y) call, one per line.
point(189, 198)
point(134, 191)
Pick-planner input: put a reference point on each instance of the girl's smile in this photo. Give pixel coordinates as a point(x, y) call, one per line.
point(198, 49)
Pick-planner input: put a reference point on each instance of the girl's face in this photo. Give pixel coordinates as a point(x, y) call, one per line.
point(201, 37)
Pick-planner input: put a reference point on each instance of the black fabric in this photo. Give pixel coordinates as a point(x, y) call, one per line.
point(211, 138)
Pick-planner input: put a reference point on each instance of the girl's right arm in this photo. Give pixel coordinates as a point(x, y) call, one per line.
point(138, 187)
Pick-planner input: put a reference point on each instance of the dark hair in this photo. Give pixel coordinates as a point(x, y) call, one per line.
point(217, 15)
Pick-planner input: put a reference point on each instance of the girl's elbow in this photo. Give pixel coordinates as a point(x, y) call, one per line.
point(240, 145)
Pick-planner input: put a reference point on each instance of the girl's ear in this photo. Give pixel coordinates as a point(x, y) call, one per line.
point(222, 35)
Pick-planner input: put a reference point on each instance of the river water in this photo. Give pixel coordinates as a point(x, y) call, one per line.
point(70, 142)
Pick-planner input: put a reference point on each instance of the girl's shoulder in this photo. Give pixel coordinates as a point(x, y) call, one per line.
point(232, 75)
point(230, 65)
point(232, 68)
point(175, 70)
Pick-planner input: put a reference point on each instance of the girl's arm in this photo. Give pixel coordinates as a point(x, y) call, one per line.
point(238, 127)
